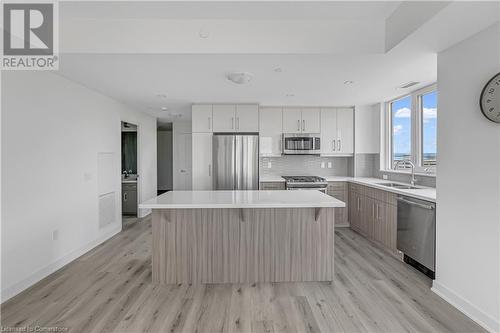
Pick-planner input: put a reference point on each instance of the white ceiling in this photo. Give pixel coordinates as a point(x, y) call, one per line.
point(140, 51)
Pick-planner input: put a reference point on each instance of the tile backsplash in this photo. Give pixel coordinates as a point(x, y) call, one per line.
point(305, 165)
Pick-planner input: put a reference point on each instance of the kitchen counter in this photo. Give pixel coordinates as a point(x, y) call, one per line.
point(242, 236)
point(242, 199)
point(424, 193)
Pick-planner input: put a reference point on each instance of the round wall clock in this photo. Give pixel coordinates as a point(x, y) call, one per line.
point(490, 99)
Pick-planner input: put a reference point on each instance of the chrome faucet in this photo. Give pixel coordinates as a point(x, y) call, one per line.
point(413, 180)
point(125, 173)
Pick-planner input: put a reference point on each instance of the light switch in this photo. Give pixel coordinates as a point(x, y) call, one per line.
point(269, 165)
point(329, 165)
point(384, 177)
point(322, 165)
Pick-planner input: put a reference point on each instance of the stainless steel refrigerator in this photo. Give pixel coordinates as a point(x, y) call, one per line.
point(235, 161)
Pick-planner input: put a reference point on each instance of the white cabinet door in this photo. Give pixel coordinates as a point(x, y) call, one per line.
point(201, 115)
point(224, 117)
point(270, 131)
point(328, 131)
point(202, 161)
point(310, 120)
point(247, 118)
point(345, 131)
point(292, 120)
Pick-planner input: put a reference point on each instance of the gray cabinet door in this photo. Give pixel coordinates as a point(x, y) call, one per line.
point(129, 202)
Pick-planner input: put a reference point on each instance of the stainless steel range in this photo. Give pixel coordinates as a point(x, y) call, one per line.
point(306, 183)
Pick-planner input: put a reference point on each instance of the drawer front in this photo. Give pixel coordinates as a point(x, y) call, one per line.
point(356, 188)
point(272, 185)
point(129, 187)
point(336, 186)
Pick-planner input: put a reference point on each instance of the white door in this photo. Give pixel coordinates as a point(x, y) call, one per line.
point(202, 161)
point(182, 176)
point(345, 131)
point(201, 118)
point(328, 131)
point(270, 131)
point(311, 120)
point(247, 118)
point(292, 120)
point(224, 117)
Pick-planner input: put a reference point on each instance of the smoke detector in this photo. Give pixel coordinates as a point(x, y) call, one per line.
point(239, 77)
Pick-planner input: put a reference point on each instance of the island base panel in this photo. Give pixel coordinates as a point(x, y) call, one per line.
point(242, 245)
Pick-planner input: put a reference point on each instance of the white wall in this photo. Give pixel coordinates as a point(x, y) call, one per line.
point(165, 160)
point(367, 129)
point(52, 131)
point(182, 155)
point(468, 186)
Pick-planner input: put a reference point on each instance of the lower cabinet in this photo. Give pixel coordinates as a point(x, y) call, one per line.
point(339, 190)
point(373, 213)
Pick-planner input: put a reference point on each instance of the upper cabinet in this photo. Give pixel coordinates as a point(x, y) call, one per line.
point(301, 120)
point(201, 115)
point(337, 131)
point(235, 118)
point(270, 131)
point(247, 118)
point(224, 117)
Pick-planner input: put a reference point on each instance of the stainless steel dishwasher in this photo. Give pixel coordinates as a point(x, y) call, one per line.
point(416, 235)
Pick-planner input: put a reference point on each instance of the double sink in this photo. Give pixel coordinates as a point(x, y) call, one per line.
point(399, 186)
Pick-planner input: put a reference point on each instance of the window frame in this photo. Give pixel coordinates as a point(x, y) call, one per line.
point(416, 151)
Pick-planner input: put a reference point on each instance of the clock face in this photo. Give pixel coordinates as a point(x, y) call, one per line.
point(490, 99)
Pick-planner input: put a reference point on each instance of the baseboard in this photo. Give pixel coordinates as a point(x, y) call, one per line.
point(481, 318)
point(342, 225)
point(19, 287)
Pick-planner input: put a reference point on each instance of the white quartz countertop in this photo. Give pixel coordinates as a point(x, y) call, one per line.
point(242, 199)
point(424, 193)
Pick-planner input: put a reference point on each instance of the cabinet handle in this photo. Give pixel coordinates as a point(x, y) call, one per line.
point(333, 145)
point(209, 123)
point(303, 125)
point(339, 144)
point(298, 125)
point(373, 210)
point(359, 204)
point(238, 123)
point(210, 170)
point(125, 196)
point(232, 122)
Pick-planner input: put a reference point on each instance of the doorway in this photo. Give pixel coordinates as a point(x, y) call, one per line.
point(129, 175)
point(164, 157)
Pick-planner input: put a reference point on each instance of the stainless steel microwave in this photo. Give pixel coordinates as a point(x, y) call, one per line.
point(301, 144)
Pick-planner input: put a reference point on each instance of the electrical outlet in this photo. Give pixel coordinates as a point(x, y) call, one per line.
point(322, 165)
point(384, 177)
point(55, 234)
point(329, 165)
point(269, 165)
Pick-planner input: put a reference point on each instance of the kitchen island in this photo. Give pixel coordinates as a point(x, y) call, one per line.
point(242, 236)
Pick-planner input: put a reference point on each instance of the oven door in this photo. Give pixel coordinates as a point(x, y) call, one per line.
point(301, 144)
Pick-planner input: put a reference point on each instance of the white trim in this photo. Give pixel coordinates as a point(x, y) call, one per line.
point(470, 310)
point(37, 276)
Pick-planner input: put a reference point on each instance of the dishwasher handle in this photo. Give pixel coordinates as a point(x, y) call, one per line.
point(413, 203)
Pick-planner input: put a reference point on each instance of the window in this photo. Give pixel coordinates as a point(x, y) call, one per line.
point(411, 130)
point(428, 105)
point(401, 130)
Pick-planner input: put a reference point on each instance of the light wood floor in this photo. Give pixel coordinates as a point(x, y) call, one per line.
point(109, 290)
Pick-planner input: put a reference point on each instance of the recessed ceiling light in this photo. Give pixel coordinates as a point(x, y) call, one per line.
point(348, 82)
point(290, 95)
point(278, 70)
point(240, 77)
point(203, 34)
point(164, 108)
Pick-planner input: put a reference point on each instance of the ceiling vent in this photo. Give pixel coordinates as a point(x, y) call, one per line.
point(408, 85)
point(240, 77)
